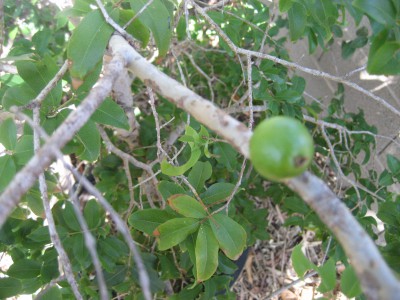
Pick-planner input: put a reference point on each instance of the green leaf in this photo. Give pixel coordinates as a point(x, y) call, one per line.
point(81, 253)
point(297, 15)
point(157, 18)
point(285, 5)
point(301, 264)
point(24, 269)
point(386, 178)
point(171, 170)
point(37, 75)
point(7, 171)
point(42, 235)
point(92, 213)
point(199, 174)
point(328, 276)
point(18, 95)
point(8, 134)
point(218, 192)
point(389, 212)
point(383, 57)
point(175, 231)
point(89, 137)
point(87, 44)
point(226, 155)
point(206, 253)
point(148, 220)
point(110, 113)
point(393, 163)
point(168, 268)
point(24, 150)
point(381, 11)
point(167, 189)
point(136, 28)
point(70, 218)
point(230, 235)
point(349, 283)
point(53, 293)
point(9, 287)
point(187, 206)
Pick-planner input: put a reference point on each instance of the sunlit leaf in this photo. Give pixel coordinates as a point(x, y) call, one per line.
point(187, 206)
point(327, 272)
point(300, 262)
point(88, 43)
point(349, 283)
point(157, 18)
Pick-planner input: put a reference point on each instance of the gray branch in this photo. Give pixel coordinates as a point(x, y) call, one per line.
point(377, 279)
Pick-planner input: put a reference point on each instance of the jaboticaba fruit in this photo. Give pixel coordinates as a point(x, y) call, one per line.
point(280, 148)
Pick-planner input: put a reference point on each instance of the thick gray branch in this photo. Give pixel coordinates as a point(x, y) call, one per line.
point(377, 279)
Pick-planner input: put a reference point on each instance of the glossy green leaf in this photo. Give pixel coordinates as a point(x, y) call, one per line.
point(8, 134)
point(24, 150)
point(89, 137)
point(92, 214)
point(7, 171)
point(18, 95)
point(381, 11)
point(175, 231)
point(9, 287)
point(110, 113)
point(218, 192)
point(88, 43)
point(187, 206)
point(206, 253)
point(349, 283)
point(297, 15)
point(231, 236)
point(136, 28)
point(148, 220)
point(37, 75)
point(300, 262)
point(327, 272)
point(171, 170)
point(157, 18)
point(53, 293)
point(24, 269)
point(167, 189)
point(199, 174)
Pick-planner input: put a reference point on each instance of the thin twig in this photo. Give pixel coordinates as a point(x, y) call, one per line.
point(54, 237)
point(120, 224)
point(292, 65)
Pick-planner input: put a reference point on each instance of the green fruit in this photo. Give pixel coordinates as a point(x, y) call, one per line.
point(281, 148)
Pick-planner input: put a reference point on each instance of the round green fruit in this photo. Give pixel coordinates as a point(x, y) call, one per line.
point(281, 148)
